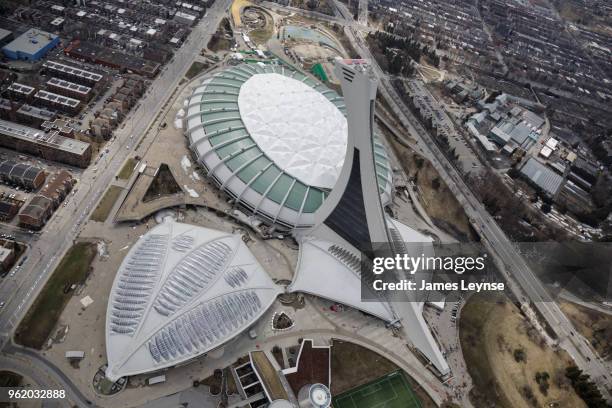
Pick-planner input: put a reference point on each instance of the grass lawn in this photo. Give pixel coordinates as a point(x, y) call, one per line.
point(9, 379)
point(440, 203)
point(106, 204)
point(195, 69)
point(163, 184)
point(40, 320)
point(127, 169)
point(353, 366)
point(504, 354)
point(390, 391)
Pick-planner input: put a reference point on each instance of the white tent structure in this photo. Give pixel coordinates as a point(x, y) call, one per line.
point(180, 292)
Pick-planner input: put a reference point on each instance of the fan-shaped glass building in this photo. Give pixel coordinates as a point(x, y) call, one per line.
point(273, 139)
point(180, 292)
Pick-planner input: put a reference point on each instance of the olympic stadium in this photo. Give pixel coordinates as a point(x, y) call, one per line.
point(274, 140)
point(277, 142)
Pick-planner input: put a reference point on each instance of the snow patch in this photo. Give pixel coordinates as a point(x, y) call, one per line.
point(191, 191)
point(185, 163)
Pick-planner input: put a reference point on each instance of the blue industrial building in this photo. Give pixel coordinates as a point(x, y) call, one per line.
point(31, 45)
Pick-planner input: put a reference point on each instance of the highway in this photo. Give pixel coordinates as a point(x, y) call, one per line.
point(520, 277)
point(64, 227)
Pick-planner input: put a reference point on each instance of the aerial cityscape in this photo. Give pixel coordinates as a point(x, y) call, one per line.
point(306, 203)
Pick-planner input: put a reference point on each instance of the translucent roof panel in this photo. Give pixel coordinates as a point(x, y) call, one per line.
point(298, 127)
point(180, 292)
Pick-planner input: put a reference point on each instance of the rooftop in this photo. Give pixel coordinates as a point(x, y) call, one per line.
point(58, 99)
point(10, 168)
point(36, 112)
point(31, 41)
point(20, 88)
point(274, 138)
point(37, 207)
point(70, 86)
point(181, 291)
point(4, 33)
point(37, 136)
point(90, 76)
point(542, 176)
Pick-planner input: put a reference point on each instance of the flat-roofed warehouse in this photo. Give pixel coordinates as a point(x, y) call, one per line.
point(69, 89)
point(72, 73)
point(541, 176)
point(49, 146)
point(274, 139)
point(5, 36)
point(21, 174)
point(31, 45)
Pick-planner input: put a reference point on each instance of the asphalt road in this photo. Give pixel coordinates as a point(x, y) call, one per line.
point(512, 263)
point(61, 231)
point(44, 374)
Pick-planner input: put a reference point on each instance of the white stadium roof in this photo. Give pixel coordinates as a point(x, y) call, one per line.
point(323, 267)
point(297, 126)
point(333, 272)
point(181, 291)
point(274, 139)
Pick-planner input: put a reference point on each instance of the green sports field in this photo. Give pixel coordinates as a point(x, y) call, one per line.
point(390, 391)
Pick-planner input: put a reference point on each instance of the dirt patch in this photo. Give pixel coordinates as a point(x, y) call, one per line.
point(262, 27)
point(163, 184)
point(221, 39)
point(353, 365)
point(214, 382)
point(281, 321)
point(593, 325)
point(236, 10)
point(269, 376)
point(508, 361)
point(313, 367)
point(319, 6)
point(195, 69)
point(439, 202)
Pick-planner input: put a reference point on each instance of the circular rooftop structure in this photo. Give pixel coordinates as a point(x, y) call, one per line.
point(314, 396)
point(274, 139)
